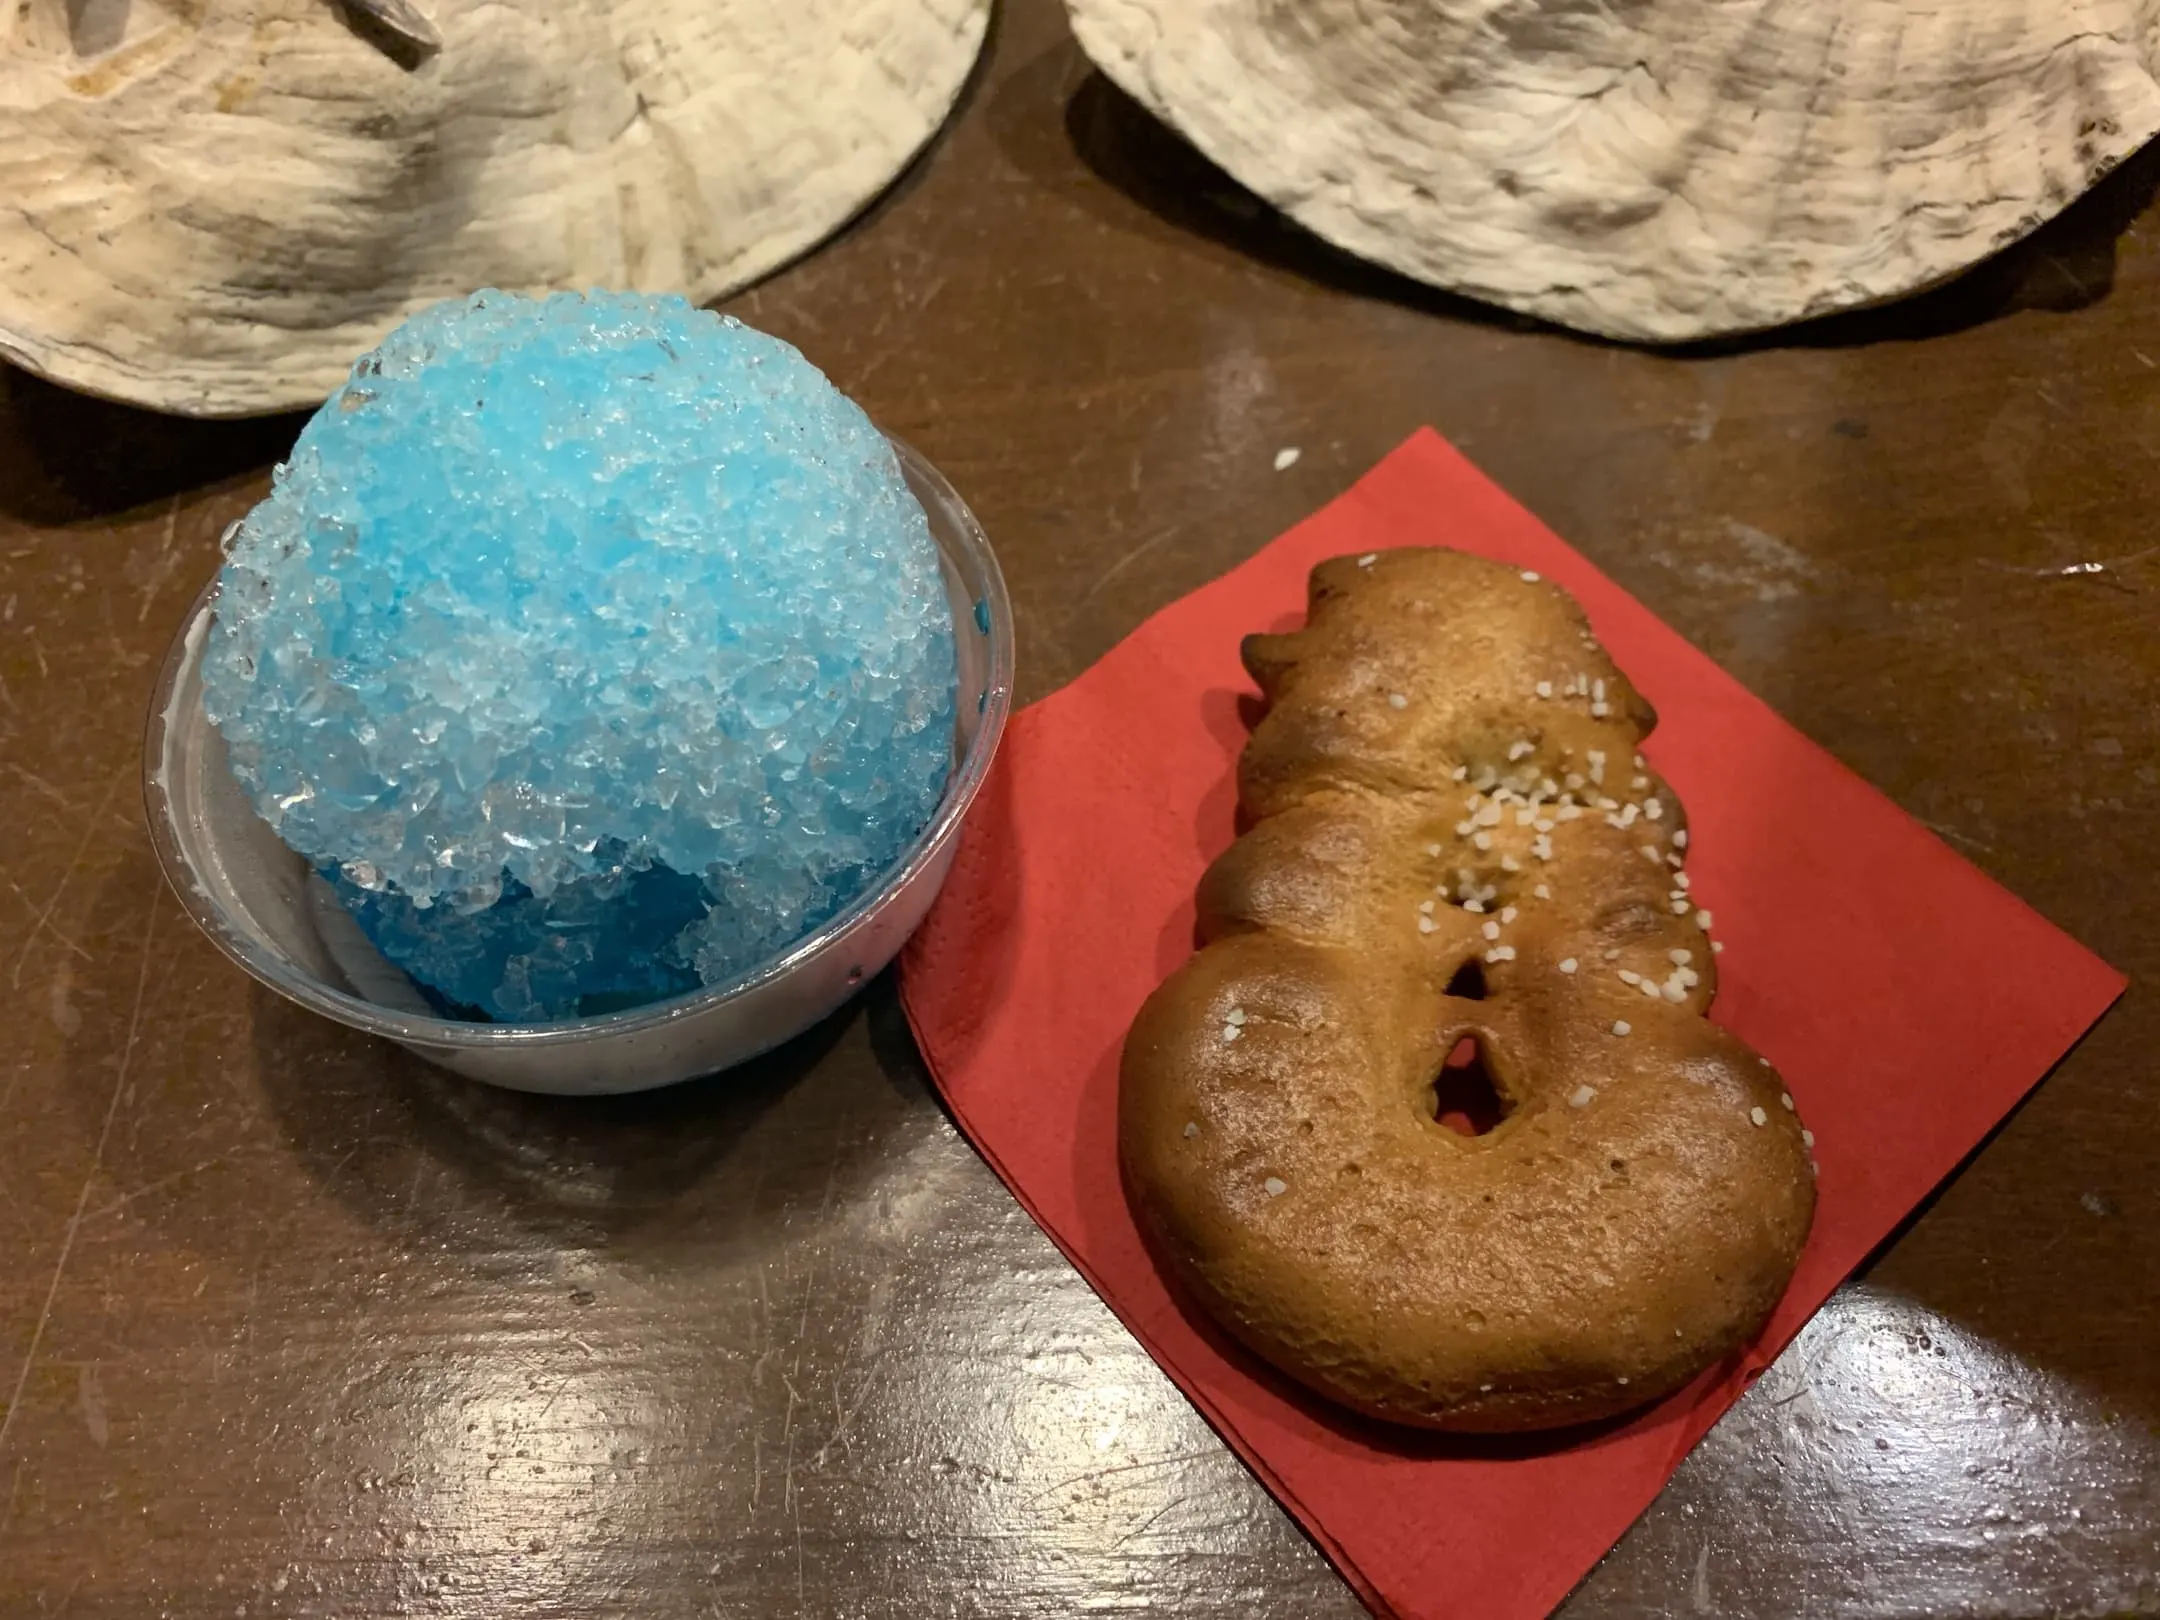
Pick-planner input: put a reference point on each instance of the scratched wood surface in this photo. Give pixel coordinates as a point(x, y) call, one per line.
point(290, 1325)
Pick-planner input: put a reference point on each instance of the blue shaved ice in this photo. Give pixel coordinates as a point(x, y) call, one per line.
point(592, 646)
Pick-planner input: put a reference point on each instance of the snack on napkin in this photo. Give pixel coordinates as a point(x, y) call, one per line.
point(1909, 1000)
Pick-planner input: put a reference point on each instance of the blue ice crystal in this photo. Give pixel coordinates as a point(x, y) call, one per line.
point(593, 646)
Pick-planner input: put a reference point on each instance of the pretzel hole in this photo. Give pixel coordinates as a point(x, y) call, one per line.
point(1468, 983)
point(1464, 1097)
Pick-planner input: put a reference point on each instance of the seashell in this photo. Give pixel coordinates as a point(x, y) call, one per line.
point(1651, 171)
point(210, 206)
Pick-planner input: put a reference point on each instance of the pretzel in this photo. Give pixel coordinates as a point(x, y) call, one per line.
point(1453, 844)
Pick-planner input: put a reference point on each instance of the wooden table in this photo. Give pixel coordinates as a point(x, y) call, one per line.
point(292, 1325)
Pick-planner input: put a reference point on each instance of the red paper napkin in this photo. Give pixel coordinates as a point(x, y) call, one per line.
point(1908, 1001)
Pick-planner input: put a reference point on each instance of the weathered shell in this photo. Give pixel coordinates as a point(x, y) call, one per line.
point(1654, 170)
point(211, 206)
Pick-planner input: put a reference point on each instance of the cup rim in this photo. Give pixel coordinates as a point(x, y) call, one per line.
point(273, 970)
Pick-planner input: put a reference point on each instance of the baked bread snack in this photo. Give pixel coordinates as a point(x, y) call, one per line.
point(1454, 840)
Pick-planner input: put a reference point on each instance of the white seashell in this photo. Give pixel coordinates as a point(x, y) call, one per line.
point(1654, 172)
point(213, 207)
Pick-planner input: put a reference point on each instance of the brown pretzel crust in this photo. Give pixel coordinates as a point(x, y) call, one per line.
point(1637, 1212)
